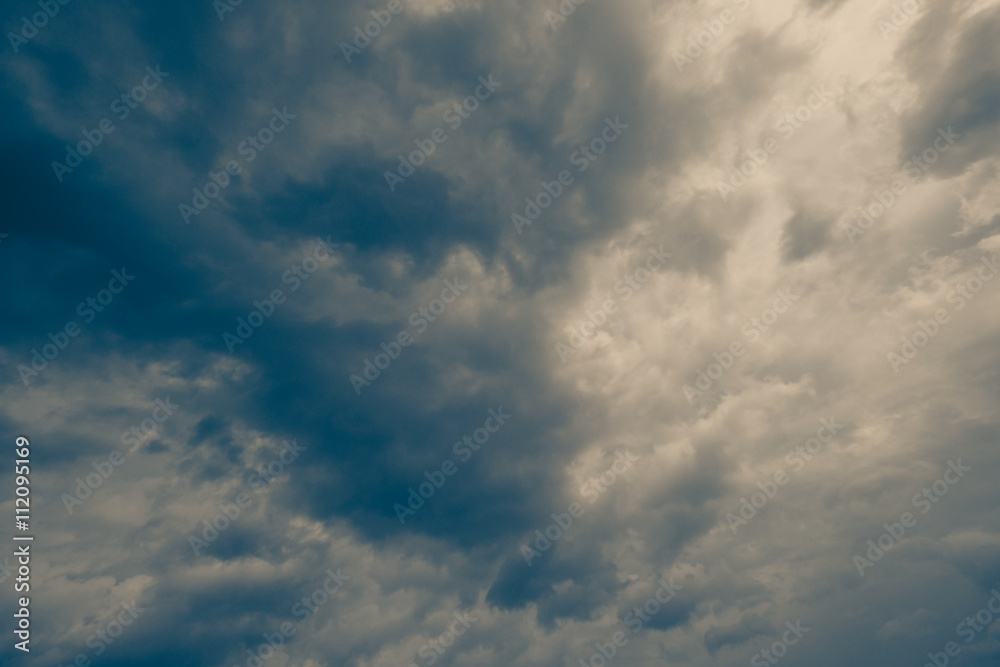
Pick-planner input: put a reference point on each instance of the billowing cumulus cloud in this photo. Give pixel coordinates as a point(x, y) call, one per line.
point(454, 332)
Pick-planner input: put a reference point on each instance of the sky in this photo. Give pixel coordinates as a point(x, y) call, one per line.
point(502, 332)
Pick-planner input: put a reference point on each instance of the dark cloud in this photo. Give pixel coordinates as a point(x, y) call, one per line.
point(495, 346)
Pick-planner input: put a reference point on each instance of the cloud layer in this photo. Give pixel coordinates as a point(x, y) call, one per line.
point(750, 244)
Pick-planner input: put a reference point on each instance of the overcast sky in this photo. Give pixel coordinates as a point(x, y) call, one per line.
point(702, 290)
